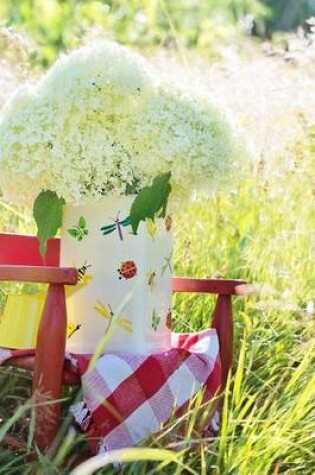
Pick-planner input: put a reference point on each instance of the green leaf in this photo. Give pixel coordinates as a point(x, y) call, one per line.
point(151, 201)
point(47, 212)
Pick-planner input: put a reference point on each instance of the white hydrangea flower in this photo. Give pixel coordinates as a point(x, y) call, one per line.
point(99, 121)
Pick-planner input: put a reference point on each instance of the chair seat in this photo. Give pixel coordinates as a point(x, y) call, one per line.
point(70, 375)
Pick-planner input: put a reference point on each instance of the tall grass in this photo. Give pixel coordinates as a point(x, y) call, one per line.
point(262, 231)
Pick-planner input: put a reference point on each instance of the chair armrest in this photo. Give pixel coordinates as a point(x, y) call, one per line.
point(39, 274)
point(222, 318)
point(209, 286)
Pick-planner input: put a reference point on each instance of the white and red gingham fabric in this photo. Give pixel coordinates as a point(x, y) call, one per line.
point(127, 396)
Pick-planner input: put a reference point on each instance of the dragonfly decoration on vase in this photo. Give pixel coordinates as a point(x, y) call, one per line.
point(106, 312)
point(116, 225)
point(167, 264)
point(72, 328)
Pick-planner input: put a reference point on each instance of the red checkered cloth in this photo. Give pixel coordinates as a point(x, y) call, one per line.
point(127, 396)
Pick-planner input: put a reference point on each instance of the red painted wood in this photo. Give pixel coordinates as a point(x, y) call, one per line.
point(50, 370)
point(70, 376)
point(223, 323)
point(212, 286)
point(17, 249)
point(46, 275)
point(47, 378)
point(14, 443)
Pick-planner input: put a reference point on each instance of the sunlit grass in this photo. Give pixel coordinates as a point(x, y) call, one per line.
point(262, 231)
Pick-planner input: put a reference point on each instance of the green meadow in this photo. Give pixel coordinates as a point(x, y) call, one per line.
point(262, 230)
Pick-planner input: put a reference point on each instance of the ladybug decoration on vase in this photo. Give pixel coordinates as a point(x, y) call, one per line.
point(127, 270)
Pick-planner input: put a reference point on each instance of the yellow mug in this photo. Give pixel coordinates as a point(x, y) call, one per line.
point(21, 316)
point(20, 320)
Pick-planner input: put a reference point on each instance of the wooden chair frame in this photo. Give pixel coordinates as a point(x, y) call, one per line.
point(20, 261)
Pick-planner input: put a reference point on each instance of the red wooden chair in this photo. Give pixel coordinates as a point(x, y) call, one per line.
point(20, 261)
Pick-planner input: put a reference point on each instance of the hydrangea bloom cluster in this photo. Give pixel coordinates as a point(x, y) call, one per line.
point(99, 123)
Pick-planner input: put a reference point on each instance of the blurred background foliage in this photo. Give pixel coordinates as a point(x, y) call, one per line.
point(57, 25)
point(287, 14)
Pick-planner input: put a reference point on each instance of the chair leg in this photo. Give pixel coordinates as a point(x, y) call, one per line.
point(47, 378)
point(222, 321)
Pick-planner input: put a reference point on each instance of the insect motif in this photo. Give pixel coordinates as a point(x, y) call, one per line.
point(156, 320)
point(72, 328)
point(107, 313)
point(168, 264)
point(151, 227)
point(117, 224)
point(168, 222)
point(169, 319)
point(151, 279)
point(128, 270)
point(82, 271)
point(79, 231)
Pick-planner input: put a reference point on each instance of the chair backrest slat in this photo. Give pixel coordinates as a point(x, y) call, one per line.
point(16, 249)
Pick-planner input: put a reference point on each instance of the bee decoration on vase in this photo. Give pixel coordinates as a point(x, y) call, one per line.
point(82, 272)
